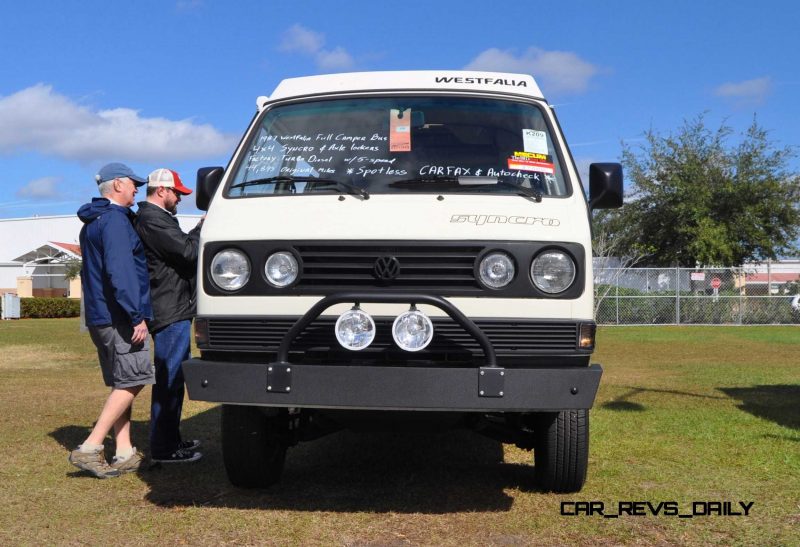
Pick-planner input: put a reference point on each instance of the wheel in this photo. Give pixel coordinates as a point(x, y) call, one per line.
point(561, 450)
point(253, 445)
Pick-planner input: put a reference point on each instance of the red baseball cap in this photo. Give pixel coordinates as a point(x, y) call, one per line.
point(168, 179)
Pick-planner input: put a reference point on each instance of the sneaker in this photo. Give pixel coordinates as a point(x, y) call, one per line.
point(130, 464)
point(189, 445)
point(179, 456)
point(93, 462)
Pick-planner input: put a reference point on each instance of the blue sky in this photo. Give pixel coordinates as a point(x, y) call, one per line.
point(173, 83)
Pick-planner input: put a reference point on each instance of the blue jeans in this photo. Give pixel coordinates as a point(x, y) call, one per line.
point(171, 348)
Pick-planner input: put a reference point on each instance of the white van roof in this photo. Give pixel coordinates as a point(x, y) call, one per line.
point(422, 80)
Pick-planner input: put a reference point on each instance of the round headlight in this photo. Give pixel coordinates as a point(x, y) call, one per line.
point(355, 329)
point(412, 331)
point(230, 269)
point(496, 270)
point(553, 271)
point(281, 269)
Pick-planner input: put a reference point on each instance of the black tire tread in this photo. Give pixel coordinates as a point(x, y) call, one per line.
point(561, 452)
point(253, 446)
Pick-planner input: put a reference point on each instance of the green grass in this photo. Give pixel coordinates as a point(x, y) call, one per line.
point(683, 414)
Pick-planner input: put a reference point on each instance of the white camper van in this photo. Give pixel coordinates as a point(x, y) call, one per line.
point(395, 247)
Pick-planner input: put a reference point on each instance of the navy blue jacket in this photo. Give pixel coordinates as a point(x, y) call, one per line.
point(116, 286)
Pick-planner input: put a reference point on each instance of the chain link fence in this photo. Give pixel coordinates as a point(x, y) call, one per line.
point(683, 296)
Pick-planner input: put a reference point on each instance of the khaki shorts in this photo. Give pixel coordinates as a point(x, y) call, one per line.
point(123, 364)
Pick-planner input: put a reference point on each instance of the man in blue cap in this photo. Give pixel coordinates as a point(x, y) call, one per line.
point(116, 292)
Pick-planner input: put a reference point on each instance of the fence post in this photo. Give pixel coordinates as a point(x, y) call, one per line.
point(741, 300)
point(769, 277)
point(616, 294)
point(677, 295)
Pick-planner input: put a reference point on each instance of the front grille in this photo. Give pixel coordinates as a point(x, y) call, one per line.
point(418, 266)
point(443, 268)
point(510, 338)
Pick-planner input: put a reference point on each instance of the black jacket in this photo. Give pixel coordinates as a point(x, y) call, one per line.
point(171, 262)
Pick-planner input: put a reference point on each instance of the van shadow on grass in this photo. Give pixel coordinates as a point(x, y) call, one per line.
point(432, 473)
point(624, 404)
point(777, 403)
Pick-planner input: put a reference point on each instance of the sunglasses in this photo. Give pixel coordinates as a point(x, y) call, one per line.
point(173, 190)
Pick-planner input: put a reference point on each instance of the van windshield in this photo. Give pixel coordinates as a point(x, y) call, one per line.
point(403, 144)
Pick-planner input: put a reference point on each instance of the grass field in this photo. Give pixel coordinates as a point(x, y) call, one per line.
point(684, 414)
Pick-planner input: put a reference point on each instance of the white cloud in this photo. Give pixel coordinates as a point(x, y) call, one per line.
point(556, 71)
point(41, 189)
point(189, 5)
point(39, 119)
point(300, 39)
point(753, 91)
point(336, 59)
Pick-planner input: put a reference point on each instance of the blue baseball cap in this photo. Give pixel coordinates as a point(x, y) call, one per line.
point(113, 171)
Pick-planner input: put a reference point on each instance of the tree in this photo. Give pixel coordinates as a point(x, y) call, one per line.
point(696, 201)
point(72, 268)
point(610, 265)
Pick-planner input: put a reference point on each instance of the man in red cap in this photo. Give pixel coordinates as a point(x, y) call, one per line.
point(172, 264)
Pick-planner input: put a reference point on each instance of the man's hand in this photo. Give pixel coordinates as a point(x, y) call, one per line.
point(139, 333)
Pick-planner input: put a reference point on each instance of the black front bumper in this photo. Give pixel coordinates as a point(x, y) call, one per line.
point(394, 388)
point(337, 385)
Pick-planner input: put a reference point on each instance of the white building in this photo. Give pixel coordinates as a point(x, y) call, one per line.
point(34, 252)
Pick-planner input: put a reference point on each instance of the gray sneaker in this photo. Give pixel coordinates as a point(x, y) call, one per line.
point(179, 456)
point(129, 465)
point(189, 445)
point(93, 462)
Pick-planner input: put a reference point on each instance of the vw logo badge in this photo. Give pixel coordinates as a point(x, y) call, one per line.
point(386, 268)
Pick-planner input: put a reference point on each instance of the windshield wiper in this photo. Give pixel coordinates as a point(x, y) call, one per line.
point(522, 191)
point(467, 181)
point(350, 188)
point(434, 179)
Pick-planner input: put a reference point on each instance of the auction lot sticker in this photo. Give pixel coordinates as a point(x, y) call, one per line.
point(534, 140)
point(537, 163)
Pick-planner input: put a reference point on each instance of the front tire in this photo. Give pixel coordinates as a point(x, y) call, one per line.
point(561, 451)
point(253, 445)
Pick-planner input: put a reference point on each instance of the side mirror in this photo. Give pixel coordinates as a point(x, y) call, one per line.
point(605, 186)
point(208, 179)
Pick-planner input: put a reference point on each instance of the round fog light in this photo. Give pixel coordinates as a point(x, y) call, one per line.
point(355, 329)
point(412, 330)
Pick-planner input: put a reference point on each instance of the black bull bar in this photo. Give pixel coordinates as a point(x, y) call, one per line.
point(486, 388)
